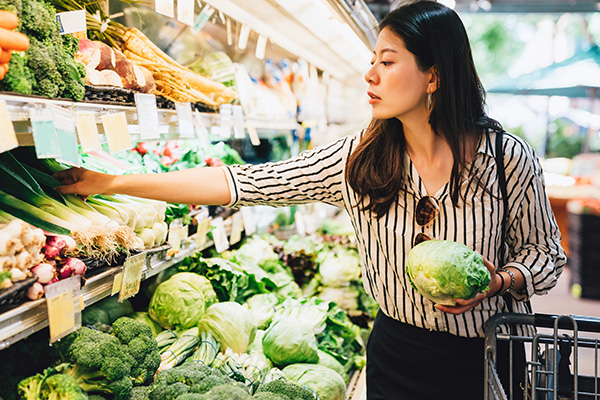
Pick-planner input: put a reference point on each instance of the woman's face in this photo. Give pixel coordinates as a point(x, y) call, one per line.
point(397, 87)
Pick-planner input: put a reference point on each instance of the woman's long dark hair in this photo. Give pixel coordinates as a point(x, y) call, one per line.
point(435, 35)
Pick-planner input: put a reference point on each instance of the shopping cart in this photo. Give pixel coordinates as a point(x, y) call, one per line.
point(557, 353)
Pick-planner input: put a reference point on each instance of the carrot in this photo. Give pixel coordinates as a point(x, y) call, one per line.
point(8, 20)
point(13, 40)
point(5, 56)
point(3, 70)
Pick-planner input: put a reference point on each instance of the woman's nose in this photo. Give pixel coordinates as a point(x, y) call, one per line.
point(370, 75)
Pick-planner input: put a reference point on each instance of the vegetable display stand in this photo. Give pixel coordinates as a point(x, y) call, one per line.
point(357, 387)
point(584, 257)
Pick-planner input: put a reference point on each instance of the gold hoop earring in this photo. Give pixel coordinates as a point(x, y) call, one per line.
point(429, 101)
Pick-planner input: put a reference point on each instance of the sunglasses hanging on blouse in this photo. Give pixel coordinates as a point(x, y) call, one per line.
point(428, 208)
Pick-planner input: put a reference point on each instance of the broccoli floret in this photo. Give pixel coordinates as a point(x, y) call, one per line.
point(140, 393)
point(137, 338)
point(15, 6)
point(227, 392)
point(270, 396)
point(99, 363)
point(191, 396)
point(46, 75)
point(168, 392)
point(18, 79)
point(288, 389)
point(29, 388)
point(96, 397)
point(208, 383)
point(62, 387)
point(187, 373)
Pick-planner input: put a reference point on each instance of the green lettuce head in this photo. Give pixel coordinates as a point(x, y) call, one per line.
point(327, 383)
point(289, 341)
point(442, 270)
point(179, 302)
point(231, 324)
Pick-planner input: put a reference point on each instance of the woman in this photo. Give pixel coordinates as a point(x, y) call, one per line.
point(428, 148)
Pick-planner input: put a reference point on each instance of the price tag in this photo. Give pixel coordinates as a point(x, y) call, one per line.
point(204, 16)
point(249, 220)
point(237, 226)
point(300, 223)
point(63, 300)
point(165, 7)
point(261, 47)
point(239, 131)
point(201, 132)
point(116, 287)
point(64, 123)
point(254, 139)
point(219, 235)
point(185, 11)
point(132, 276)
point(186, 120)
point(87, 130)
point(8, 138)
point(44, 133)
point(243, 38)
point(115, 129)
point(226, 120)
point(147, 113)
point(203, 222)
point(174, 236)
point(71, 21)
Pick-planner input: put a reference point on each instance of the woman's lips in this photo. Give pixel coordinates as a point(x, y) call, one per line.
point(373, 98)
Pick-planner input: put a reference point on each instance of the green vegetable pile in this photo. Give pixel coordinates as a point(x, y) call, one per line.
point(442, 270)
point(48, 67)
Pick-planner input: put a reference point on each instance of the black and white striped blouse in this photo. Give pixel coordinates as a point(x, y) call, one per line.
point(533, 237)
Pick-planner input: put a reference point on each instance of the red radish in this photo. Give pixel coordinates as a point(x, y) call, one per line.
point(35, 292)
point(51, 252)
point(45, 272)
point(72, 266)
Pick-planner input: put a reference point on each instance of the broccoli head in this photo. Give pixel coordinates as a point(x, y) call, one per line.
point(99, 363)
point(19, 77)
point(168, 392)
point(190, 396)
point(140, 393)
point(138, 341)
point(227, 392)
point(29, 388)
point(15, 6)
point(287, 389)
point(41, 63)
point(62, 387)
point(269, 396)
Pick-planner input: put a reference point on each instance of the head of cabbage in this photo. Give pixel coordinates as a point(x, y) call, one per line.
point(327, 383)
point(179, 302)
point(442, 270)
point(231, 324)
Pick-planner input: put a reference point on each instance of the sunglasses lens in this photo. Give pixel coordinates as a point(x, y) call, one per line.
point(422, 237)
point(427, 209)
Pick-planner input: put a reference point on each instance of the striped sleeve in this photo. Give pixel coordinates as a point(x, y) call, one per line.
point(533, 236)
point(313, 176)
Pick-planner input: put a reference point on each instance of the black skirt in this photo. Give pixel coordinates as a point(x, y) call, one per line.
point(409, 363)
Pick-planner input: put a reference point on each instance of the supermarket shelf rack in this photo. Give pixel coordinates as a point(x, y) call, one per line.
point(30, 317)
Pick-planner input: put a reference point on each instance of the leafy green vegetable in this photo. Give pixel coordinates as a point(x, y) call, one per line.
point(289, 341)
point(231, 325)
point(179, 302)
point(442, 271)
point(145, 318)
point(329, 361)
point(339, 267)
point(262, 308)
point(328, 384)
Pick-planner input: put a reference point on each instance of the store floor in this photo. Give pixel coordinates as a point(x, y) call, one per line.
point(559, 301)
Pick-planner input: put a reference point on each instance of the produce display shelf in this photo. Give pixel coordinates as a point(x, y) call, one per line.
point(20, 108)
point(20, 322)
point(357, 388)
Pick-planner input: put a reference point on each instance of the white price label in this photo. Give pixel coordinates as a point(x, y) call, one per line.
point(203, 223)
point(8, 138)
point(254, 139)
point(249, 220)
point(71, 21)
point(201, 132)
point(237, 226)
point(219, 235)
point(239, 131)
point(261, 47)
point(186, 120)
point(147, 113)
point(117, 134)
point(132, 276)
point(174, 236)
point(165, 7)
point(185, 11)
point(300, 223)
point(226, 120)
point(87, 130)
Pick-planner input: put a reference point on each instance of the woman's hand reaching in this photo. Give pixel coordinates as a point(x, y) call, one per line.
point(463, 305)
point(83, 182)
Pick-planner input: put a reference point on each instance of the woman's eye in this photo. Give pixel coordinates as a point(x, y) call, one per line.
point(385, 63)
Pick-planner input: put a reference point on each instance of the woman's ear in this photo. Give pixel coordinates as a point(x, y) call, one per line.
point(434, 79)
